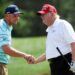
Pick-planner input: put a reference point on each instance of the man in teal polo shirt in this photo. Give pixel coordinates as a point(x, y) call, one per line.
point(11, 16)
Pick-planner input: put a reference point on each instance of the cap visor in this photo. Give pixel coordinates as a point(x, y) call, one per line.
point(41, 13)
point(18, 13)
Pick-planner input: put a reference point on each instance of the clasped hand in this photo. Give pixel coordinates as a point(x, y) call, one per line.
point(30, 59)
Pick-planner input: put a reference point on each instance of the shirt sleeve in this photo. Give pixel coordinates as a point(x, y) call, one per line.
point(68, 32)
point(3, 38)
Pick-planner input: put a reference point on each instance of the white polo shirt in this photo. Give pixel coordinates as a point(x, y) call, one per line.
point(61, 35)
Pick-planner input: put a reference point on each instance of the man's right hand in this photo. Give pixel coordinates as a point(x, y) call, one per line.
point(30, 59)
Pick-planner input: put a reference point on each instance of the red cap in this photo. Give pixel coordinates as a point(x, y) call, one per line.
point(46, 9)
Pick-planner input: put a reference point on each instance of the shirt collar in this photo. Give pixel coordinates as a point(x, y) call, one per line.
point(53, 25)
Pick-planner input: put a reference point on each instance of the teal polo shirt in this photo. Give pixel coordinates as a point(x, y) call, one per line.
point(5, 39)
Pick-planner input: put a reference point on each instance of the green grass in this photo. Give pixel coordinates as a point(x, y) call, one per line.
point(34, 46)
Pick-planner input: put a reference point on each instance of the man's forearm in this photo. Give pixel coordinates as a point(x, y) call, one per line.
point(12, 52)
point(40, 58)
point(73, 51)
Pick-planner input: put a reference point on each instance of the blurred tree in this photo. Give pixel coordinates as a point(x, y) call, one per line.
point(30, 24)
point(68, 11)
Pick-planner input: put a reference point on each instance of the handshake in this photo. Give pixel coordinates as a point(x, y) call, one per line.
point(30, 59)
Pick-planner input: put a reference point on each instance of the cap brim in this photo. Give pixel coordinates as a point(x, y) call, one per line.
point(18, 13)
point(41, 12)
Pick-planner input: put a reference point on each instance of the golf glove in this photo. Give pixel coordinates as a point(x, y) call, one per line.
point(72, 66)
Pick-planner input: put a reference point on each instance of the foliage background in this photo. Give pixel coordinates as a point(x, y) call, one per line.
point(30, 24)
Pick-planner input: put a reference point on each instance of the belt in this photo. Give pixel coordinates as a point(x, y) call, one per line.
point(2, 63)
point(59, 57)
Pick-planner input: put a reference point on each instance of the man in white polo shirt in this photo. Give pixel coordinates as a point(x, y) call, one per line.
point(60, 35)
